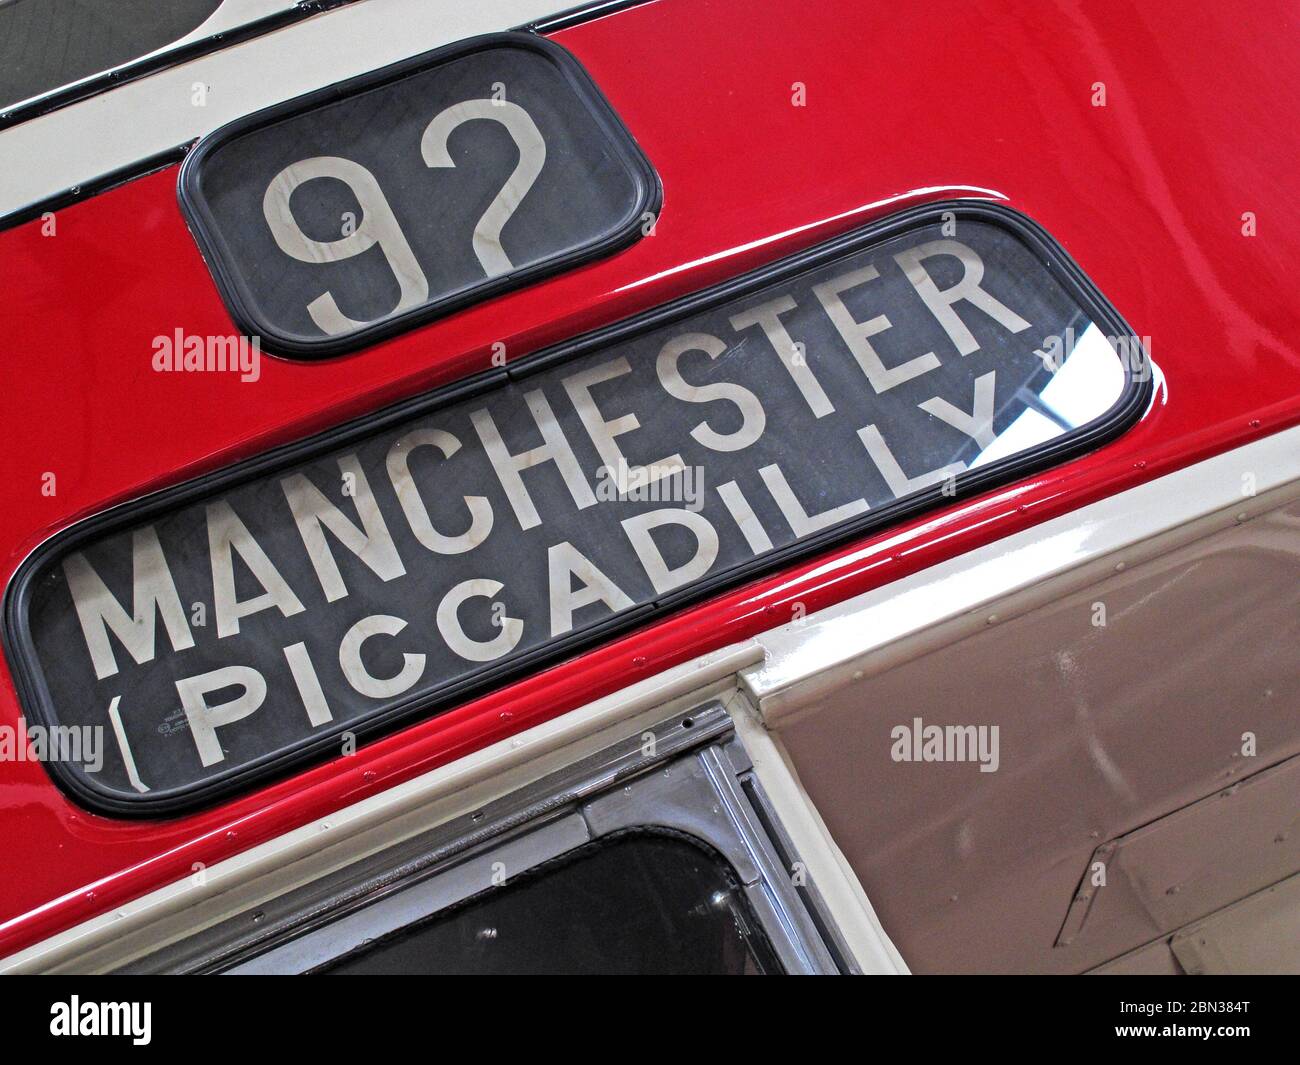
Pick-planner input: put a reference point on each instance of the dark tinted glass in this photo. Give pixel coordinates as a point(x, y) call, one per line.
point(681, 457)
point(636, 904)
point(341, 218)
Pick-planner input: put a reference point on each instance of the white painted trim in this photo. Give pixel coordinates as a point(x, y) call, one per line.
point(229, 15)
point(309, 852)
point(907, 618)
point(86, 140)
point(834, 647)
point(828, 869)
point(349, 835)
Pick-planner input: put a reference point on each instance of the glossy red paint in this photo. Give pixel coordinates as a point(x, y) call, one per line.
point(904, 104)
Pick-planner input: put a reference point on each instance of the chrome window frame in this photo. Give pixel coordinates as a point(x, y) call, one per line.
point(688, 776)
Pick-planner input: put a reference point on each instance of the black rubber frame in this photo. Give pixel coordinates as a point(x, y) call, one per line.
point(28, 677)
point(216, 252)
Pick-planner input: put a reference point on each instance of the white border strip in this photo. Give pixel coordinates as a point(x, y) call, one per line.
point(803, 661)
point(912, 616)
point(349, 835)
point(76, 144)
point(381, 820)
point(229, 15)
point(828, 870)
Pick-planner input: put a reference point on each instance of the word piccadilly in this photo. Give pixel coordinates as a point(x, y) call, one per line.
point(430, 553)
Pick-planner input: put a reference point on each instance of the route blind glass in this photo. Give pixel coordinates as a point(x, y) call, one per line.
point(413, 193)
point(449, 544)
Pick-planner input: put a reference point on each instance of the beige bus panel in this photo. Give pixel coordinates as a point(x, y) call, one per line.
point(1190, 686)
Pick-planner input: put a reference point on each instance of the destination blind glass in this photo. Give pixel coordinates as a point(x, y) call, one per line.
point(353, 213)
point(424, 554)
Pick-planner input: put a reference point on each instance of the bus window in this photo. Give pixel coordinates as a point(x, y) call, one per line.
point(640, 903)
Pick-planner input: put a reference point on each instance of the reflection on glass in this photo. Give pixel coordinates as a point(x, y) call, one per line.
point(639, 904)
point(807, 406)
point(1089, 382)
